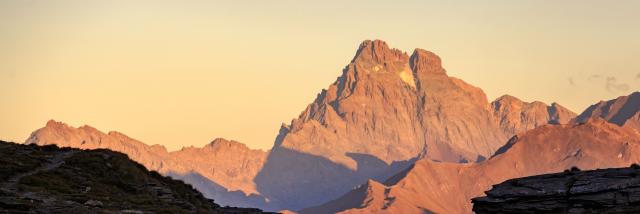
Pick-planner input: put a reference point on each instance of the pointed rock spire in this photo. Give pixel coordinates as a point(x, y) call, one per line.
point(52, 124)
point(377, 51)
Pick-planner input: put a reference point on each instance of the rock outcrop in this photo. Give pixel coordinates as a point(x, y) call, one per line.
point(48, 179)
point(615, 190)
point(393, 106)
point(441, 187)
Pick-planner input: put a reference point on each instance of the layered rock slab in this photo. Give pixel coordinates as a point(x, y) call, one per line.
point(615, 190)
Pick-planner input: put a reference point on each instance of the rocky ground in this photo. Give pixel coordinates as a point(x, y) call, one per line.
point(615, 190)
point(48, 179)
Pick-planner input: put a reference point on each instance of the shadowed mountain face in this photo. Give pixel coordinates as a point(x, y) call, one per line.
point(48, 179)
point(213, 190)
point(448, 187)
point(387, 110)
point(623, 111)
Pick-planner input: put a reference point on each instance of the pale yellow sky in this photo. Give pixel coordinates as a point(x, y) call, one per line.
point(182, 73)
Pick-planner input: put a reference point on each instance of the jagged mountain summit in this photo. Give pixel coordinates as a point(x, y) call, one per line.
point(395, 106)
point(385, 111)
point(48, 179)
point(392, 105)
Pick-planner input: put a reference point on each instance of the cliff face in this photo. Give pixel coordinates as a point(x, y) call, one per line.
point(48, 179)
point(448, 187)
point(393, 106)
point(595, 191)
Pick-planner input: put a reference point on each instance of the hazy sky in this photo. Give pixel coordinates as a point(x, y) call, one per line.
point(182, 73)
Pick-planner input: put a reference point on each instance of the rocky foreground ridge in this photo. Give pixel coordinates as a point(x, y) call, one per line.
point(49, 179)
point(615, 190)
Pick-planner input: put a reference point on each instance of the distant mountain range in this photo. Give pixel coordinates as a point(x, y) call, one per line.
point(398, 129)
point(222, 169)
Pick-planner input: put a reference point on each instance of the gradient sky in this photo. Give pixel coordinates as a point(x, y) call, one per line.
point(182, 73)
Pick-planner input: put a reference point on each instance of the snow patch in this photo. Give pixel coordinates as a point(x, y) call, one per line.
point(407, 76)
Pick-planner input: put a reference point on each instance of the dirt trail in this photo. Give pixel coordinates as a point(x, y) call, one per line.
point(56, 161)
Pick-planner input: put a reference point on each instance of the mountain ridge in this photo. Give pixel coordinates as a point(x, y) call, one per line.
point(227, 156)
point(447, 187)
point(623, 111)
point(385, 111)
